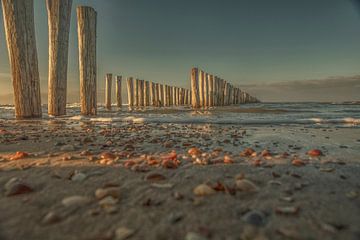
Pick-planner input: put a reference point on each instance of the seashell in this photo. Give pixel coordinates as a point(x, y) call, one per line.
point(298, 162)
point(101, 193)
point(75, 201)
point(314, 153)
point(203, 190)
point(287, 210)
point(246, 186)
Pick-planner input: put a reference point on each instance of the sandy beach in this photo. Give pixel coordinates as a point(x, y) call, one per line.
point(67, 179)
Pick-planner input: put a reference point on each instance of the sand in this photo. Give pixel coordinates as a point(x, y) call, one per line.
point(150, 189)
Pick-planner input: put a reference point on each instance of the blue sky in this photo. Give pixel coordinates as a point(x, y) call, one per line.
point(247, 42)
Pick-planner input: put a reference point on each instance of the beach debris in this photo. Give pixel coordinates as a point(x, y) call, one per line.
point(247, 152)
point(291, 210)
point(162, 185)
point(228, 160)
point(245, 185)
point(107, 155)
point(19, 155)
point(101, 193)
point(327, 169)
point(16, 186)
point(108, 201)
point(298, 162)
point(78, 176)
point(255, 217)
point(194, 151)
point(266, 153)
point(352, 194)
point(123, 233)
point(287, 199)
point(68, 148)
point(51, 218)
point(194, 236)
point(314, 153)
point(75, 201)
point(154, 177)
point(203, 190)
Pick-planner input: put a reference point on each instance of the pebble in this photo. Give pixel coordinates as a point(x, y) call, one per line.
point(314, 153)
point(16, 187)
point(108, 201)
point(246, 186)
point(78, 177)
point(123, 233)
point(67, 148)
point(194, 236)
point(298, 162)
point(194, 151)
point(255, 218)
point(203, 190)
point(287, 210)
point(75, 201)
point(107, 155)
point(51, 217)
point(154, 177)
point(101, 193)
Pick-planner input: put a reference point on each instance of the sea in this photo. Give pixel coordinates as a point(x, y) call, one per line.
point(304, 113)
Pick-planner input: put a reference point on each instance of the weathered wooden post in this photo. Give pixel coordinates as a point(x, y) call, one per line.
point(211, 90)
point(161, 95)
point(201, 88)
point(59, 14)
point(136, 92)
point(108, 82)
point(147, 93)
point(157, 95)
point(141, 93)
point(130, 91)
point(87, 59)
point(170, 95)
point(165, 95)
point(195, 100)
point(173, 90)
point(20, 37)
point(118, 91)
point(152, 93)
point(226, 90)
point(206, 90)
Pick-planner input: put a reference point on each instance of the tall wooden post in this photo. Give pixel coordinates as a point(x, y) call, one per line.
point(20, 36)
point(206, 90)
point(141, 93)
point(157, 95)
point(201, 88)
point(216, 91)
point(130, 91)
point(170, 95)
point(195, 100)
point(59, 14)
point(147, 93)
point(211, 90)
point(87, 59)
point(165, 96)
point(161, 95)
point(108, 83)
point(152, 94)
point(118, 91)
point(136, 92)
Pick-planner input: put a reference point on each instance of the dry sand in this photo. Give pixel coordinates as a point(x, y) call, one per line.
point(146, 191)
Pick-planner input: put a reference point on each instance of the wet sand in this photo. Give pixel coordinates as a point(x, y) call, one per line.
point(84, 180)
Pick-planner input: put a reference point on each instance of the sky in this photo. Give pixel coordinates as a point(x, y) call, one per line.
point(278, 50)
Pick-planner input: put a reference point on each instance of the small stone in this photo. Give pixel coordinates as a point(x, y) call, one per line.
point(78, 177)
point(228, 160)
point(107, 155)
point(298, 162)
point(19, 155)
point(194, 236)
point(101, 193)
point(203, 190)
point(194, 151)
point(352, 194)
point(16, 187)
point(255, 218)
point(314, 153)
point(287, 210)
point(327, 169)
point(247, 152)
point(108, 201)
point(164, 185)
point(51, 217)
point(123, 233)
point(154, 177)
point(246, 186)
point(67, 148)
point(75, 201)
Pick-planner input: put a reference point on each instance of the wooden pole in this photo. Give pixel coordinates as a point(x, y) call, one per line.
point(211, 90)
point(118, 91)
point(136, 92)
point(171, 95)
point(108, 82)
point(174, 95)
point(161, 95)
point(165, 95)
point(195, 101)
point(130, 91)
point(152, 94)
point(157, 95)
point(59, 14)
point(20, 37)
point(87, 59)
point(141, 93)
point(147, 93)
point(201, 88)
